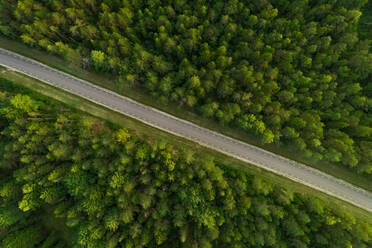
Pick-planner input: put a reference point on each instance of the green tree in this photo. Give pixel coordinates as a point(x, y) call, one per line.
point(99, 60)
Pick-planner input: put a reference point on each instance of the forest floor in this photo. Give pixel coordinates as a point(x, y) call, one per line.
point(150, 134)
point(73, 67)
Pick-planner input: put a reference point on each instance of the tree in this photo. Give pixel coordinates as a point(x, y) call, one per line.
point(122, 136)
point(294, 71)
point(99, 60)
point(28, 238)
point(9, 215)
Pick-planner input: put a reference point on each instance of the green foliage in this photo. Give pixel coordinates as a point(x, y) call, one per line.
point(9, 215)
point(298, 67)
point(365, 22)
point(116, 190)
point(98, 60)
point(26, 238)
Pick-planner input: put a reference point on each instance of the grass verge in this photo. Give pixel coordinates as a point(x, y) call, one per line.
point(140, 95)
point(150, 133)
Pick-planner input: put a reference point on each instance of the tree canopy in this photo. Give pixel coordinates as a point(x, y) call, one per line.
point(293, 72)
point(110, 188)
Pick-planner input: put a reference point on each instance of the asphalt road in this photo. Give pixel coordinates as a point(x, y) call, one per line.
point(245, 152)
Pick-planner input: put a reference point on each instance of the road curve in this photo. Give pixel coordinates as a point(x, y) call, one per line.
point(237, 149)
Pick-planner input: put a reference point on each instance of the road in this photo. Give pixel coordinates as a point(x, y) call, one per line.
point(153, 117)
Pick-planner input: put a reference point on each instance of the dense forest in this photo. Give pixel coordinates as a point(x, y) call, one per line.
point(292, 72)
point(365, 24)
point(110, 188)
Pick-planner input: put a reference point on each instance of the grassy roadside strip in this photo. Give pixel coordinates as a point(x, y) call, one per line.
point(140, 95)
point(149, 133)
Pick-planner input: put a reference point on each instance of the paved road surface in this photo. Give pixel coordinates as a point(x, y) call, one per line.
point(205, 137)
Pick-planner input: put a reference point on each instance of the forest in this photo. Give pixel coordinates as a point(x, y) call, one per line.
point(109, 188)
point(294, 73)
